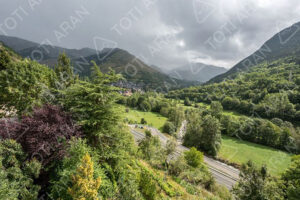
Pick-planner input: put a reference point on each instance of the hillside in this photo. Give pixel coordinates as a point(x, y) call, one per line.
point(197, 72)
point(132, 69)
point(285, 43)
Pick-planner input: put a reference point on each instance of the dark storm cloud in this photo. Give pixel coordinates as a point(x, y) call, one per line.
point(166, 33)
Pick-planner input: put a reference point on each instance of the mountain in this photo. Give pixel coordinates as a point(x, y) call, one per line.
point(133, 69)
point(285, 43)
point(197, 72)
point(45, 54)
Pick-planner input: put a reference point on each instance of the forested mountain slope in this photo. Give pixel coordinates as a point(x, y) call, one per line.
point(268, 89)
point(285, 43)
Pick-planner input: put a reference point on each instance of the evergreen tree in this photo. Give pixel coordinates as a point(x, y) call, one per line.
point(84, 185)
point(64, 71)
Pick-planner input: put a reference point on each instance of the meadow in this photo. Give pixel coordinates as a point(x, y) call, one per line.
point(238, 151)
point(153, 119)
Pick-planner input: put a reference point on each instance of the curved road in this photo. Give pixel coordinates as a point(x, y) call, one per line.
point(224, 174)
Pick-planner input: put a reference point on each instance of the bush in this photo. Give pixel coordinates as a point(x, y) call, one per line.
point(187, 102)
point(176, 167)
point(147, 185)
point(169, 128)
point(84, 185)
point(143, 121)
point(193, 157)
point(61, 179)
point(16, 174)
point(43, 135)
point(171, 146)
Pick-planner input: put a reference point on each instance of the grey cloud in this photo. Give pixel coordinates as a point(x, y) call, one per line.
point(177, 30)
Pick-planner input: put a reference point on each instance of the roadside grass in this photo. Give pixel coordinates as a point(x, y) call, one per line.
point(153, 119)
point(238, 151)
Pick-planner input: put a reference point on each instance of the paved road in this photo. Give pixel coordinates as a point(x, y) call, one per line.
point(224, 174)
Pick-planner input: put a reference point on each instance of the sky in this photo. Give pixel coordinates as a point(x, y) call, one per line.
point(165, 33)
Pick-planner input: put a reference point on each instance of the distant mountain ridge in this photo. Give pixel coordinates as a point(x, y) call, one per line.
point(197, 72)
point(121, 61)
point(285, 43)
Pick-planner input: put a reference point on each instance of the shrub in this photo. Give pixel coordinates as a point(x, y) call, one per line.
point(169, 128)
point(193, 157)
point(187, 102)
point(147, 185)
point(61, 178)
point(171, 146)
point(43, 135)
point(176, 167)
point(16, 174)
point(84, 185)
point(143, 121)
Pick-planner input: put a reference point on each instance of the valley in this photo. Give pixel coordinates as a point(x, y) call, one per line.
point(150, 100)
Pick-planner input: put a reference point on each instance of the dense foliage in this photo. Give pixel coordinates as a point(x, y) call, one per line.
point(44, 134)
point(268, 90)
point(291, 179)
point(17, 174)
point(203, 132)
point(24, 84)
point(257, 184)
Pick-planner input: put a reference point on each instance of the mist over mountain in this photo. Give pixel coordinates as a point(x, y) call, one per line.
point(196, 72)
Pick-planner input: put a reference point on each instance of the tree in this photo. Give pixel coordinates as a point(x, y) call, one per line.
point(64, 71)
point(4, 59)
point(169, 128)
point(44, 134)
point(206, 136)
point(193, 157)
point(187, 102)
point(16, 173)
point(24, 85)
point(171, 146)
point(150, 148)
point(93, 106)
point(216, 109)
point(256, 184)
point(84, 185)
point(291, 179)
point(211, 140)
point(143, 121)
point(176, 115)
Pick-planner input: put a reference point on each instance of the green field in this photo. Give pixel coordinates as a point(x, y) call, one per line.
point(153, 119)
point(238, 151)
